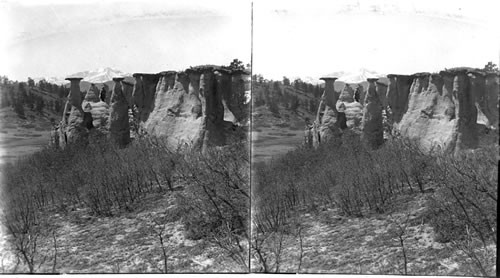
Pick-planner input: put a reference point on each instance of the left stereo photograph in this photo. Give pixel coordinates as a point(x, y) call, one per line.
point(124, 131)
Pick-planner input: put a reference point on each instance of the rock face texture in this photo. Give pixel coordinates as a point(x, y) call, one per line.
point(440, 111)
point(119, 128)
point(486, 86)
point(381, 89)
point(196, 107)
point(326, 126)
point(99, 109)
point(236, 96)
point(143, 94)
point(443, 110)
point(372, 129)
point(191, 107)
point(397, 95)
point(492, 93)
point(74, 129)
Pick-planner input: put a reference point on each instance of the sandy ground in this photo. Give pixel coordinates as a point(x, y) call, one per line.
point(336, 244)
point(126, 243)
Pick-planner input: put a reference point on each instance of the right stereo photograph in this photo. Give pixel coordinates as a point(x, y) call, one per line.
point(374, 130)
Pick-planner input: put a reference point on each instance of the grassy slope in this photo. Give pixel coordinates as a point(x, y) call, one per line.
point(19, 137)
point(276, 134)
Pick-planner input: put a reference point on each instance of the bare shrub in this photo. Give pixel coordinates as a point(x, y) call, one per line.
point(463, 209)
point(216, 203)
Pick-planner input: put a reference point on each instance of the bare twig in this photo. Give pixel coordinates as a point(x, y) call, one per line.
point(55, 252)
point(301, 248)
point(401, 234)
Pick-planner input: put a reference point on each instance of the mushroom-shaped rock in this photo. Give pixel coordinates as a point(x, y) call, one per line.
point(119, 128)
point(327, 126)
point(75, 128)
point(74, 97)
point(372, 128)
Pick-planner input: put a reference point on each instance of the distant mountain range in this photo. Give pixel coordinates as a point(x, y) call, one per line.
point(100, 75)
point(351, 77)
point(354, 77)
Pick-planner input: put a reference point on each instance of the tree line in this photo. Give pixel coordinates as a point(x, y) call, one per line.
point(285, 93)
point(28, 95)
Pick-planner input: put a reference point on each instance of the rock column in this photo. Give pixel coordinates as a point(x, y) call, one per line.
point(214, 111)
point(466, 112)
point(75, 129)
point(372, 127)
point(325, 126)
point(119, 128)
point(397, 95)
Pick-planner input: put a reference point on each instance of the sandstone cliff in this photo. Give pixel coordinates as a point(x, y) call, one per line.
point(197, 107)
point(194, 107)
point(440, 111)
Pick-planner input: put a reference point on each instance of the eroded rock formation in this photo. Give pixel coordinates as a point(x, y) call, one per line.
point(372, 129)
point(191, 107)
point(440, 111)
point(143, 94)
point(326, 126)
point(397, 95)
point(74, 128)
point(443, 109)
point(197, 107)
point(119, 128)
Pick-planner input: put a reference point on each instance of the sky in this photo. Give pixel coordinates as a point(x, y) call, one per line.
point(51, 38)
point(57, 38)
point(315, 38)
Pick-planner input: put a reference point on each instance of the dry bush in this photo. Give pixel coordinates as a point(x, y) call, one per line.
point(463, 210)
point(100, 176)
point(216, 203)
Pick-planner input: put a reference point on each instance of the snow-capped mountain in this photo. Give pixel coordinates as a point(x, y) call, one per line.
point(358, 76)
point(352, 77)
point(100, 75)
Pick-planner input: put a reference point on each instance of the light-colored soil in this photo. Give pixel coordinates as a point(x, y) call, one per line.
point(369, 245)
point(126, 243)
